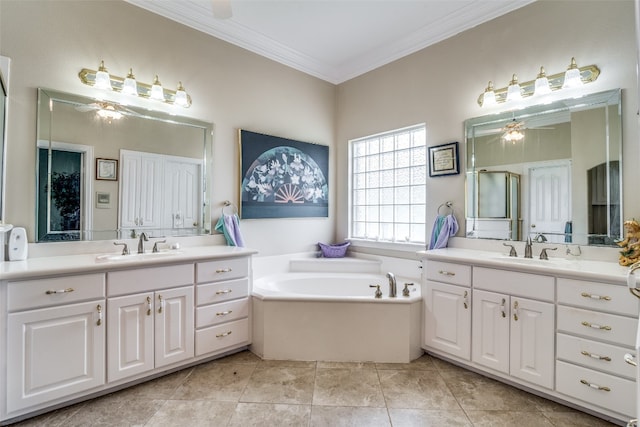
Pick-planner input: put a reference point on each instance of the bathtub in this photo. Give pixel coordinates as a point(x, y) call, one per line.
point(335, 317)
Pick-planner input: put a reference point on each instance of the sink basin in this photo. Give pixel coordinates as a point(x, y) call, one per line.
point(551, 262)
point(135, 256)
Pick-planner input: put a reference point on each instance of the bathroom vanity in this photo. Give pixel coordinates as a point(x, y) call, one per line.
point(558, 328)
point(83, 325)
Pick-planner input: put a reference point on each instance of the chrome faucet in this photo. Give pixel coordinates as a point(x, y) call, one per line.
point(392, 284)
point(143, 238)
point(527, 248)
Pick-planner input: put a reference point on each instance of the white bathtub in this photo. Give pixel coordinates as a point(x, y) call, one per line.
point(335, 317)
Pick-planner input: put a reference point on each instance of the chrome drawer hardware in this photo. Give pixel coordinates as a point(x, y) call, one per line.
point(466, 302)
point(446, 273)
point(148, 306)
point(99, 308)
point(515, 311)
point(59, 291)
point(630, 359)
point(225, 291)
point(161, 303)
point(595, 356)
point(596, 386)
point(224, 313)
point(224, 270)
point(595, 326)
point(598, 297)
point(504, 313)
point(224, 334)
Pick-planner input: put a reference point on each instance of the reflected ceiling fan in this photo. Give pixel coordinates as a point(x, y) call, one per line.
point(221, 9)
point(513, 131)
point(105, 110)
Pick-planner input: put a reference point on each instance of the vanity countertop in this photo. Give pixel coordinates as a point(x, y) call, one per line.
point(577, 268)
point(53, 265)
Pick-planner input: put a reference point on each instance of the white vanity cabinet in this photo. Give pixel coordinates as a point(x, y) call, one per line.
point(150, 319)
point(447, 308)
point(222, 299)
point(596, 326)
point(55, 338)
point(513, 333)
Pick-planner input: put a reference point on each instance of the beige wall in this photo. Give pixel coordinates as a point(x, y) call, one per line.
point(440, 84)
point(50, 41)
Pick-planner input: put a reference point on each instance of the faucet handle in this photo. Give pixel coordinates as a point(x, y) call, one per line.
point(405, 291)
point(155, 245)
point(378, 293)
point(543, 252)
point(512, 252)
point(125, 249)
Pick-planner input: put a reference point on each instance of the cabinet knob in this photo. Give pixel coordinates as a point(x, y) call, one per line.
point(465, 302)
point(99, 308)
point(161, 305)
point(148, 306)
point(515, 311)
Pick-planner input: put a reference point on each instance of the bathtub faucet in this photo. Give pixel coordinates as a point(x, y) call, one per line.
point(392, 284)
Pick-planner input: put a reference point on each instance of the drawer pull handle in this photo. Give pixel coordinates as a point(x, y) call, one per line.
point(224, 313)
point(515, 311)
point(504, 313)
point(595, 356)
point(598, 297)
point(224, 291)
point(224, 270)
point(59, 291)
point(630, 359)
point(596, 386)
point(465, 302)
point(148, 306)
point(224, 334)
point(595, 326)
point(99, 308)
point(161, 304)
point(446, 273)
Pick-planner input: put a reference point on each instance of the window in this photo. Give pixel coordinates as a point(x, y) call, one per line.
point(388, 186)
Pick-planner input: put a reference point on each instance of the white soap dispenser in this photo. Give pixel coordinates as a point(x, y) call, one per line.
point(17, 245)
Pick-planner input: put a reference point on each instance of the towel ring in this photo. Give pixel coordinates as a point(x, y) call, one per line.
point(229, 206)
point(448, 205)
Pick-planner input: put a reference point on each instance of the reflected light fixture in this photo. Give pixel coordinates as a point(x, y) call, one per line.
point(157, 92)
point(181, 96)
point(489, 96)
point(103, 80)
point(514, 92)
point(572, 76)
point(109, 112)
point(542, 84)
point(130, 86)
point(513, 132)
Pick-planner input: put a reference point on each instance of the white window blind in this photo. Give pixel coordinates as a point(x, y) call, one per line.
point(388, 186)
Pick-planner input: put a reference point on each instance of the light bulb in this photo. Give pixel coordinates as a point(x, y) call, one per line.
point(542, 84)
point(514, 93)
point(489, 96)
point(572, 76)
point(130, 86)
point(103, 81)
point(181, 97)
point(157, 92)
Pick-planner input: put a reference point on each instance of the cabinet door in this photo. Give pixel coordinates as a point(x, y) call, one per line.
point(174, 326)
point(54, 352)
point(532, 341)
point(130, 335)
point(447, 319)
point(491, 330)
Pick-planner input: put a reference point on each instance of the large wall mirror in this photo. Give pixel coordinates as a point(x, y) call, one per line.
point(110, 171)
point(550, 172)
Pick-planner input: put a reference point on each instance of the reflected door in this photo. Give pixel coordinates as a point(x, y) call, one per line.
point(549, 201)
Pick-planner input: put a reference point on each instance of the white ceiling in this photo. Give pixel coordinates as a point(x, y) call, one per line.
point(334, 40)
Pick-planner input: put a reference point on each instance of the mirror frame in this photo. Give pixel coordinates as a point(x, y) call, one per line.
point(47, 96)
point(475, 125)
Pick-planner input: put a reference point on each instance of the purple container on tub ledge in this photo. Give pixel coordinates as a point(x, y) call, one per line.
point(334, 251)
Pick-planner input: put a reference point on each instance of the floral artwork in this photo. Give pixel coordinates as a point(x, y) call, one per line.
point(282, 178)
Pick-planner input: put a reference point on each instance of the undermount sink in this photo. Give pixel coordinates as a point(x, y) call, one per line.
point(135, 256)
point(556, 262)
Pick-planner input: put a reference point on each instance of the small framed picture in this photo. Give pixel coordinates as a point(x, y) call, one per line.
point(103, 200)
point(107, 169)
point(443, 159)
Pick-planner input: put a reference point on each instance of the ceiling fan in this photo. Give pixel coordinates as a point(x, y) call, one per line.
point(221, 9)
point(105, 110)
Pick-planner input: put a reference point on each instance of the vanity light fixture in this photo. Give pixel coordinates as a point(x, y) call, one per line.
point(514, 91)
point(574, 75)
point(101, 79)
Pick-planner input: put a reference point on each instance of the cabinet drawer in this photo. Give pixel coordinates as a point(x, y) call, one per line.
point(27, 294)
point(601, 326)
point(213, 314)
point(514, 283)
point(223, 269)
point(456, 274)
point(221, 337)
point(583, 383)
point(221, 291)
point(594, 354)
point(598, 296)
point(148, 279)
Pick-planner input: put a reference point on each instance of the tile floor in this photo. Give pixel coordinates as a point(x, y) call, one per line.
point(242, 390)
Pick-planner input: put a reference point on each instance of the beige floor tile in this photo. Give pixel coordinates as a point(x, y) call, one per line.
point(160, 388)
point(101, 412)
point(423, 363)
point(280, 385)
point(340, 416)
point(348, 387)
point(269, 414)
point(53, 418)
point(428, 418)
point(241, 357)
point(216, 381)
point(508, 419)
point(575, 419)
point(193, 413)
point(416, 390)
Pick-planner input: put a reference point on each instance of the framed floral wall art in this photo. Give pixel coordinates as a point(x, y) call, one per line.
point(282, 178)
